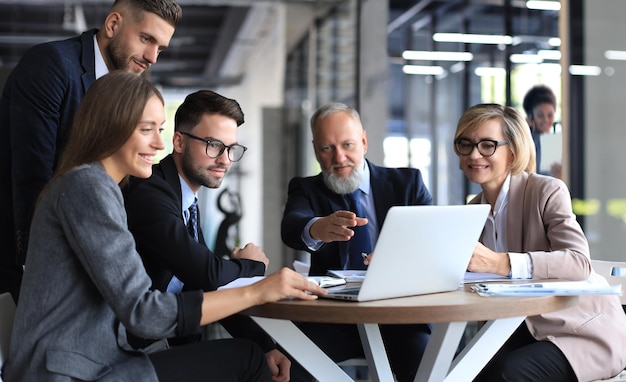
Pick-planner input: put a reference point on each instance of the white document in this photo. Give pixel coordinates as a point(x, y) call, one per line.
point(555, 288)
point(323, 281)
point(241, 282)
point(326, 281)
point(551, 150)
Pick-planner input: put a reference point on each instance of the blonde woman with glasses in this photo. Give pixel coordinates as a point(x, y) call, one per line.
point(533, 233)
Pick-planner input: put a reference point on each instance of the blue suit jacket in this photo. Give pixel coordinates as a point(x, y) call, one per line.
point(309, 197)
point(155, 213)
point(37, 107)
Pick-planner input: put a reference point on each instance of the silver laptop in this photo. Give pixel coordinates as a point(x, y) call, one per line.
point(420, 250)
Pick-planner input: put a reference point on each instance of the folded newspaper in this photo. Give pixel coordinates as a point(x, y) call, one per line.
point(553, 288)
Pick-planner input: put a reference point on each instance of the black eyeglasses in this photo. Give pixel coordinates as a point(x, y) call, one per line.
point(486, 147)
point(216, 148)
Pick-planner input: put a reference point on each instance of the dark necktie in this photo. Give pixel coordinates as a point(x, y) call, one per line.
point(360, 242)
point(192, 223)
point(175, 285)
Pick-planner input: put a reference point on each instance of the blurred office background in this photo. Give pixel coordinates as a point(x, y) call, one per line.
point(409, 66)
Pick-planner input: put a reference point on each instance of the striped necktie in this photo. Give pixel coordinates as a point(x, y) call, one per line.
point(192, 223)
point(175, 285)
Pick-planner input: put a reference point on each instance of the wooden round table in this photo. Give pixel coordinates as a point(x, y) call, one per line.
point(448, 312)
point(460, 305)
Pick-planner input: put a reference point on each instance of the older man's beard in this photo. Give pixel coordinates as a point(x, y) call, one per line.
point(341, 185)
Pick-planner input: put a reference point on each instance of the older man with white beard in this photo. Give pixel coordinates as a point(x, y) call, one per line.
point(326, 214)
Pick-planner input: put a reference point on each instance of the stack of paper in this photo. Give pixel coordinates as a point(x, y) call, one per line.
point(351, 275)
point(326, 281)
point(556, 288)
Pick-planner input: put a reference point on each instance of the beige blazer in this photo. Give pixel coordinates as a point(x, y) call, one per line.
point(540, 222)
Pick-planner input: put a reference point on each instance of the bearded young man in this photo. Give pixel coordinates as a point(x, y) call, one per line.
point(204, 148)
point(40, 98)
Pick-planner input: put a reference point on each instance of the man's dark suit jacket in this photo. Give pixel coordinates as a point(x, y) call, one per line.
point(155, 218)
point(37, 107)
point(309, 197)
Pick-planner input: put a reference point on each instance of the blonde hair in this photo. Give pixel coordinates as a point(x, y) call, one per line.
point(514, 127)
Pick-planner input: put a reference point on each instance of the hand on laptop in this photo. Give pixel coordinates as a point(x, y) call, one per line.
point(336, 226)
point(484, 260)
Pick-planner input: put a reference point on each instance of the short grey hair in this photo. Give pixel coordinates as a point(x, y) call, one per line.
point(332, 108)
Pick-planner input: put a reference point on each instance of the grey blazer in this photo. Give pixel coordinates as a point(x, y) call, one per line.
point(84, 285)
point(540, 222)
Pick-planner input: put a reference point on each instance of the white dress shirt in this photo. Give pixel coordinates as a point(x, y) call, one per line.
point(494, 234)
point(101, 66)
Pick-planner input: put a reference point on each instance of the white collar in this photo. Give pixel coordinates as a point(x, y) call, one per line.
point(101, 66)
point(503, 196)
point(365, 179)
point(188, 195)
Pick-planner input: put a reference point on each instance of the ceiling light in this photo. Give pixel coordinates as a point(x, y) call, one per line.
point(539, 57)
point(473, 38)
point(584, 70)
point(485, 71)
point(554, 41)
point(525, 59)
point(436, 56)
point(459, 66)
point(547, 54)
point(615, 55)
point(423, 70)
point(543, 5)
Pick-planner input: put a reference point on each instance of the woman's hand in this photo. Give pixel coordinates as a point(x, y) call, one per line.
point(286, 283)
point(484, 260)
point(283, 284)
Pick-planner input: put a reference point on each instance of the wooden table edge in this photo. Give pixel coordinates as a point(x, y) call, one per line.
point(453, 306)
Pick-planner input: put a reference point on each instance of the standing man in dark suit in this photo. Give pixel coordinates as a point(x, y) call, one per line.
point(40, 98)
point(205, 147)
point(318, 219)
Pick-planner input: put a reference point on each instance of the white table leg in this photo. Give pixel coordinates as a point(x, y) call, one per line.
point(482, 347)
point(437, 363)
point(375, 353)
point(302, 349)
point(443, 343)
